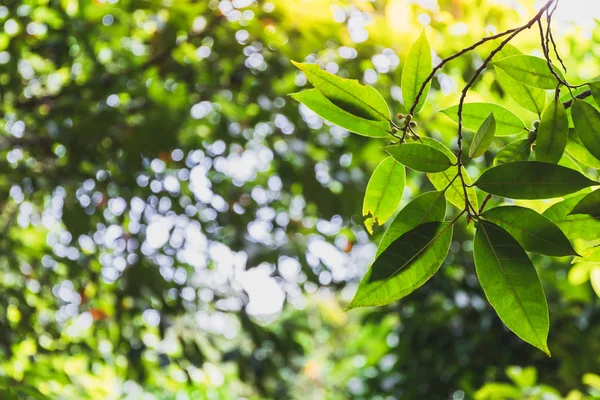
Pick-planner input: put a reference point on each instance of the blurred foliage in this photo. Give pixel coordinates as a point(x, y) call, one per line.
point(173, 227)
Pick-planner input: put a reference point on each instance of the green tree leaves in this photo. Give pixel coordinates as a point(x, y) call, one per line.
point(529, 70)
point(345, 102)
point(532, 231)
point(552, 134)
point(529, 98)
point(383, 194)
point(587, 125)
point(420, 157)
point(483, 138)
point(511, 284)
point(515, 151)
point(474, 114)
point(404, 265)
point(324, 108)
point(590, 204)
point(532, 180)
point(416, 69)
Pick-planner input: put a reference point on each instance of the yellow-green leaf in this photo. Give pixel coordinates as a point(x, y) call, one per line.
point(507, 123)
point(552, 133)
point(384, 193)
point(416, 69)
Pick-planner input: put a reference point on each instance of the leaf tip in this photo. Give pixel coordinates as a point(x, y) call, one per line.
point(297, 64)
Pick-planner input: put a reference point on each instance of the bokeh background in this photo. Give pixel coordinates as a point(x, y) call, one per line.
point(174, 226)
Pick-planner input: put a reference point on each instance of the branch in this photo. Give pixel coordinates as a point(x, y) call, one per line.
point(580, 96)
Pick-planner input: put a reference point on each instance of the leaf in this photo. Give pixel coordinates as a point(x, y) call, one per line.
point(441, 180)
point(532, 180)
point(590, 204)
point(348, 94)
point(515, 151)
point(531, 230)
point(552, 133)
point(383, 194)
point(324, 108)
point(529, 98)
point(531, 71)
point(420, 157)
point(523, 377)
point(586, 119)
point(595, 89)
point(483, 138)
point(404, 265)
point(511, 284)
point(416, 69)
point(498, 391)
point(428, 207)
point(578, 151)
point(581, 229)
point(595, 281)
point(507, 123)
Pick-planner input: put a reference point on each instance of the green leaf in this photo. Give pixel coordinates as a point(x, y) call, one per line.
point(483, 138)
point(586, 119)
point(416, 69)
point(529, 98)
point(590, 204)
point(595, 89)
point(324, 108)
point(383, 194)
point(498, 391)
point(515, 151)
point(533, 231)
point(428, 207)
point(404, 265)
point(532, 180)
point(531, 71)
point(511, 284)
point(507, 123)
point(552, 134)
point(440, 180)
point(581, 229)
point(420, 157)
point(578, 151)
point(348, 94)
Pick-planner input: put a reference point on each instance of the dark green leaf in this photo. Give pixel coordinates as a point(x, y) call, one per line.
point(515, 151)
point(552, 134)
point(416, 69)
point(428, 207)
point(507, 123)
point(511, 284)
point(595, 89)
point(420, 157)
point(483, 138)
point(533, 231)
point(405, 265)
point(383, 194)
point(531, 71)
point(581, 229)
point(318, 103)
point(532, 180)
point(587, 125)
point(531, 99)
point(590, 204)
point(348, 94)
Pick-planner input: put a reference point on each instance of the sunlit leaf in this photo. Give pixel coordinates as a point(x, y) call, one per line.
point(348, 94)
point(590, 204)
point(511, 284)
point(420, 157)
point(515, 151)
point(324, 108)
point(405, 265)
point(428, 207)
point(578, 151)
point(507, 123)
point(532, 180)
point(533, 231)
point(531, 71)
point(586, 119)
point(383, 194)
point(530, 98)
point(581, 229)
point(483, 138)
point(416, 69)
point(552, 133)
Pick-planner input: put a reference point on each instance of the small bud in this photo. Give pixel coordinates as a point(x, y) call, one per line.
point(400, 116)
point(532, 135)
point(413, 124)
point(536, 124)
